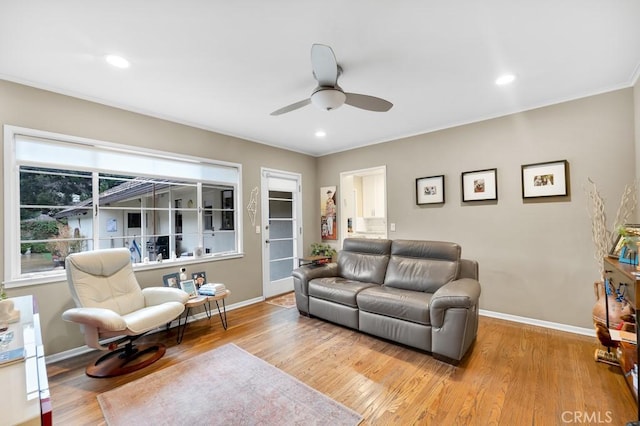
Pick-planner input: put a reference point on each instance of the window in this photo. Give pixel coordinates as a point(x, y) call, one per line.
point(65, 194)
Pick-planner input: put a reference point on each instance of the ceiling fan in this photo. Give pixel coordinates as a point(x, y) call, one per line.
point(328, 95)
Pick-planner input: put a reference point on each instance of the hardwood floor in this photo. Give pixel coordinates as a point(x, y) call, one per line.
point(515, 374)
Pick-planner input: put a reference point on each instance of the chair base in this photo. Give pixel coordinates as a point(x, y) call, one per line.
point(126, 360)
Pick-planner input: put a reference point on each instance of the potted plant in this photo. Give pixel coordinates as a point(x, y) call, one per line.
point(320, 249)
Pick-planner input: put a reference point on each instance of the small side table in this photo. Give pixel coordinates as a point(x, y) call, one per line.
point(206, 302)
point(314, 260)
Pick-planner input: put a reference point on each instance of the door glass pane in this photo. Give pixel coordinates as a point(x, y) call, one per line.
point(280, 249)
point(281, 269)
point(280, 229)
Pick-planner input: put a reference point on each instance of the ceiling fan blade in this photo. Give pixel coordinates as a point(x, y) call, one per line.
point(370, 103)
point(324, 64)
point(292, 107)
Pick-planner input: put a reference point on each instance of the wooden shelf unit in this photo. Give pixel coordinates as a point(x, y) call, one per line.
point(625, 277)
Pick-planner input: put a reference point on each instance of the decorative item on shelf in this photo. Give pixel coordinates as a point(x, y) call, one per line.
point(200, 278)
point(608, 307)
point(183, 274)
point(629, 240)
point(610, 311)
point(171, 280)
point(604, 239)
point(190, 287)
point(8, 313)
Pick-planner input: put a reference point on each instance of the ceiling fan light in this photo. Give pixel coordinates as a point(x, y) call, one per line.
point(328, 99)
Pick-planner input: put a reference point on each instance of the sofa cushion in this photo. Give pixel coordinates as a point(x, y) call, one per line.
point(422, 265)
point(396, 303)
point(337, 290)
point(364, 260)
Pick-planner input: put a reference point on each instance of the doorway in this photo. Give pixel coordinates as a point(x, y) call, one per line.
point(363, 200)
point(281, 231)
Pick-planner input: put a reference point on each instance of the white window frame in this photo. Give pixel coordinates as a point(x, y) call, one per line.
point(12, 201)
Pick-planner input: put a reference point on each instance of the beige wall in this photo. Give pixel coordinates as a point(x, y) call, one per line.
point(38, 109)
point(536, 259)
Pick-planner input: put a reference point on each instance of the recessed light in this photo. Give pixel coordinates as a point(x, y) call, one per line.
point(117, 61)
point(505, 79)
point(321, 134)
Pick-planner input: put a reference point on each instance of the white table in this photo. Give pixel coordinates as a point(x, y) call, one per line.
point(24, 394)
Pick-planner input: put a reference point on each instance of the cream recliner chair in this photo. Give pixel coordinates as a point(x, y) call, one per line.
point(110, 303)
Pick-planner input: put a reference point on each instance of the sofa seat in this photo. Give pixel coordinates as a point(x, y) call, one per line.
point(338, 290)
point(397, 303)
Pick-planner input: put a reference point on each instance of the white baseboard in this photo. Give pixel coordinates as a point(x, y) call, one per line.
point(508, 317)
point(84, 349)
point(540, 323)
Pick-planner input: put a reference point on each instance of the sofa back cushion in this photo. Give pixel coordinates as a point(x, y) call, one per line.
point(422, 265)
point(364, 260)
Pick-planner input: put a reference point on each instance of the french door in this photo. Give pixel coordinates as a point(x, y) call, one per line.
point(281, 230)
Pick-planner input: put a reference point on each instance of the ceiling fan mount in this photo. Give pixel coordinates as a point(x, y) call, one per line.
point(328, 95)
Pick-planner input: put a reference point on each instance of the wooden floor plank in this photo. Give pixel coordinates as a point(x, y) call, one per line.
point(515, 374)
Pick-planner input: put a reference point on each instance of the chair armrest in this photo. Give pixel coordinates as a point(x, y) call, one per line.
point(100, 318)
point(304, 274)
point(462, 293)
point(158, 295)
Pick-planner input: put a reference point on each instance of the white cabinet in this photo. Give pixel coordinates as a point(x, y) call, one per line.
point(373, 196)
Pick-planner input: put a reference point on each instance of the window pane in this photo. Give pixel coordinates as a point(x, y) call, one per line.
point(52, 201)
point(53, 187)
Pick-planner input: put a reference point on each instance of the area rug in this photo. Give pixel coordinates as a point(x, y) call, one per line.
point(287, 300)
point(225, 386)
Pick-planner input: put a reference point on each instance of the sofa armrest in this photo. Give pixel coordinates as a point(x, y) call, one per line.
point(462, 293)
point(304, 274)
point(301, 278)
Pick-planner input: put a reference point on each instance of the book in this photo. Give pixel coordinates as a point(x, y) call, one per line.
point(11, 356)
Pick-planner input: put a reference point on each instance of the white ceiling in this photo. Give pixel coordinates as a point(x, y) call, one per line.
point(226, 65)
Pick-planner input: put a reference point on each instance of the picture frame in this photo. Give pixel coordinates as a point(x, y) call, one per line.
point(200, 278)
point(430, 190)
point(480, 185)
point(112, 225)
point(616, 249)
point(189, 286)
point(171, 280)
point(549, 179)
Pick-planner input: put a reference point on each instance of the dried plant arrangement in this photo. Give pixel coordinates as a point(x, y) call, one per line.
point(602, 237)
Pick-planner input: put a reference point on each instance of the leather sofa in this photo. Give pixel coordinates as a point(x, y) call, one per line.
point(417, 293)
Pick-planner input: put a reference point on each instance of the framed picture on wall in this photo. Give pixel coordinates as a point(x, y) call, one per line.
point(328, 209)
point(549, 179)
point(480, 185)
point(430, 190)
